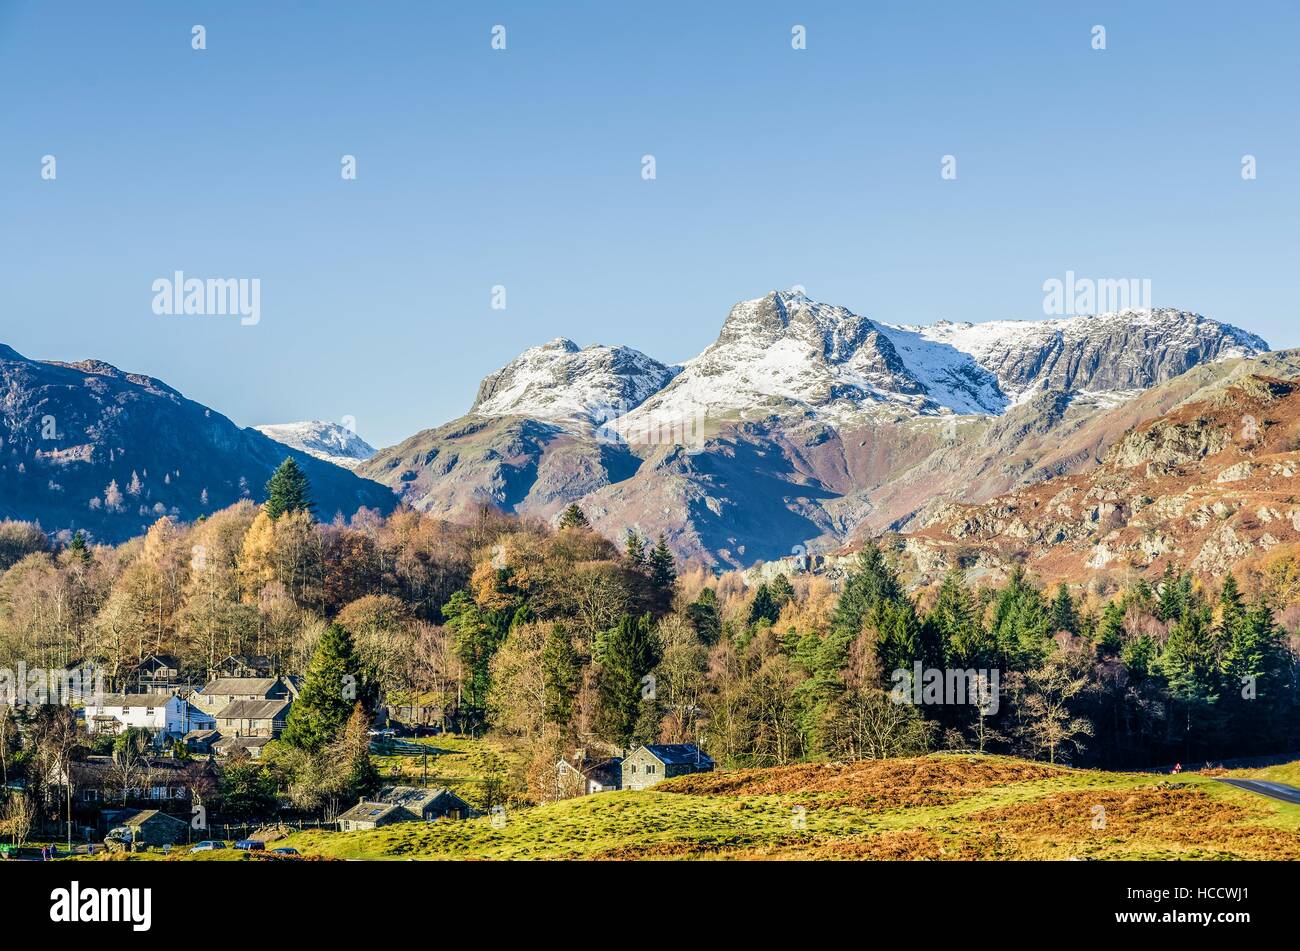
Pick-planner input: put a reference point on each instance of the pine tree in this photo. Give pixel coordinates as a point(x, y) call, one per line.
point(663, 569)
point(781, 590)
point(958, 626)
point(704, 617)
point(1232, 610)
point(630, 652)
point(763, 607)
point(561, 675)
point(1022, 623)
point(288, 490)
point(78, 548)
point(574, 517)
point(477, 635)
point(1110, 636)
point(870, 582)
point(329, 693)
point(1170, 606)
point(634, 550)
point(1065, 616)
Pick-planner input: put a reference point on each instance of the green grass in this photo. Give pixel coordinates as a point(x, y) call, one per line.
point(937, 807)
point(1149, 817)
point(463, 764)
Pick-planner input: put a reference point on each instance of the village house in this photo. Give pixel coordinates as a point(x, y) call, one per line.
point(233, 745)
point(581, 774)
point(151, 827)
point(223, 691)
point(647, 765)
point(405, 804)
point(200, 741)
point(164, 714)
point(243, 666)
point(262, 718)
point(368, 814)
point(98, 780)
point(158, 671)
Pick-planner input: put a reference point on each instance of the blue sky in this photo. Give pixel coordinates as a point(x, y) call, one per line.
point(522, 168)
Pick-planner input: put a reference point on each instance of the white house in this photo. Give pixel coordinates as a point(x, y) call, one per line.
point(165, 713)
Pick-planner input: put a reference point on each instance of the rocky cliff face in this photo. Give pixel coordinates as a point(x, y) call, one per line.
point(87, 446)
point(1206, 486)
point(803, 423)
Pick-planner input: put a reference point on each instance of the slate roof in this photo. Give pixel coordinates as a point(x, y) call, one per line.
point(241, 686)
point(366, 811)
point(252, 710)
point(241, 742)
point(679, 754)
point(132, 700)
point(144, 815)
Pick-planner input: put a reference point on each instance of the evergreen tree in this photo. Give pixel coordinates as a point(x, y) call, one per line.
point(630, 652)
point(477, 635)
point(869, 583)
point(958, 627)
point(329, 693)
point(561, 676)
point(634, 550)
point(1189, 666)
point(1232, 610)
point(1065, 616)
point(574, 517)
point(763, 607)
point(78, 547)
point(1170, 606)
point(1022, 623)
point(1139, 657)
point(781, 590)
point(704, 617)
point(649, 716)
point(1110, 635)
point(288, 490)
point(898, 638)
point(663, 569)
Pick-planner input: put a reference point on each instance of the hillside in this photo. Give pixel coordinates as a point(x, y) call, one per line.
point(803, 423)
point(935, 807)
point(90, 447)
point(1208, 485)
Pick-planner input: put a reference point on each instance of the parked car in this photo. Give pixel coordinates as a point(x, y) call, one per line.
point(250, 845)
point(286, 850)
point(208, 845)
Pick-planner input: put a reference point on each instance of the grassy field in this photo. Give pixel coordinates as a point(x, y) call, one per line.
point(465, 765)
point(939, 807)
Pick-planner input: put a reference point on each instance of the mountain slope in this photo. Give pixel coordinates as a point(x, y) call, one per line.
point(328, 441)
point(72, 430)
point(801, 422)
point(1208, 485)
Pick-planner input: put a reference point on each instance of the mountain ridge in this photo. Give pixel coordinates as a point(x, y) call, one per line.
point(802, 421)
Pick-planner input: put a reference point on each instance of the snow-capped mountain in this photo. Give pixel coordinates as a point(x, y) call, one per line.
point(787, 352)
point(329, 441)
point(804, 421)
point(1117, 352)
point(561, 381)
point(90, 447)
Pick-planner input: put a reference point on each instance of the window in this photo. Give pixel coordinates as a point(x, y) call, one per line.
point(650, 767)
point(632, 768)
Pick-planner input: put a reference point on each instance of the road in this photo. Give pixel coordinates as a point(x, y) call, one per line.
point(1264, 788)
